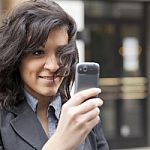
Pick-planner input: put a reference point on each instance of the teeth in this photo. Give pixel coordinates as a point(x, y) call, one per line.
point(48, 78)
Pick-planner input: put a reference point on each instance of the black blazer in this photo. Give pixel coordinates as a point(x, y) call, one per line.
point(21, 130)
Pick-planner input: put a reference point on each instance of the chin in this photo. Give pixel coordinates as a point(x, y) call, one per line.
point(50, 93)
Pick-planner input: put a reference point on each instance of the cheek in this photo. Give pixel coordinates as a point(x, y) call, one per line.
point(25, 73)
point(28, 71)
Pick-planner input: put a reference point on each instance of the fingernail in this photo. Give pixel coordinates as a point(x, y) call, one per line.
point(98, 90)
point(99, 102)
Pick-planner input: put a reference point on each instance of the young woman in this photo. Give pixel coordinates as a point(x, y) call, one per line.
point(37, 59)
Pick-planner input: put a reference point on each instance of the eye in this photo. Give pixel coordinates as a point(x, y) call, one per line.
point(38, 53)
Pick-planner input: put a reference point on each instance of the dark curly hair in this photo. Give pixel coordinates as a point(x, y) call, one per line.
point(36, 18)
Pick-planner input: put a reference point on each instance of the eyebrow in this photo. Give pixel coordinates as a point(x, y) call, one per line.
point(58, 47)
point(61, 46)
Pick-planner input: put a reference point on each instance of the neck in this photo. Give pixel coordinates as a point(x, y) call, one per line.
point(43, 103)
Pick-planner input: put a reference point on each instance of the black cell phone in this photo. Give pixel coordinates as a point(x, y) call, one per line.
point(86, 76)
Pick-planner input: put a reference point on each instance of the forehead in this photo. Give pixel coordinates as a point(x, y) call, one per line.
point(58, 36)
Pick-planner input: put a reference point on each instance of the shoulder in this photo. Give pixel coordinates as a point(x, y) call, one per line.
point(3, 113)
point(5, 116)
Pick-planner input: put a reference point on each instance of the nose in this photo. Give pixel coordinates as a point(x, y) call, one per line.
point(51, 63)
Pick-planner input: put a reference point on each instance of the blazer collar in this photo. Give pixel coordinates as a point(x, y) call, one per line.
point(28, 127)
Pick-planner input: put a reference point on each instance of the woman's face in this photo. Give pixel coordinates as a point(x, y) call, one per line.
point(37, 69)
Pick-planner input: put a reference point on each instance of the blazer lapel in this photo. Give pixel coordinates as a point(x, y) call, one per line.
point(28, 127)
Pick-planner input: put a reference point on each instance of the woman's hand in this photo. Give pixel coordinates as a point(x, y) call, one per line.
point(78, 116)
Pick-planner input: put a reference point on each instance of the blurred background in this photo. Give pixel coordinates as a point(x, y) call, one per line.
point(116, 34)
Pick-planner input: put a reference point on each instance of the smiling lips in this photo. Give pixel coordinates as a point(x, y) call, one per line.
point(47, 77)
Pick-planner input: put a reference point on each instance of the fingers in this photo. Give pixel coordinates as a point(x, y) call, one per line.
point(89, 105)
point(83, 113)
point(91, 124)
point(87, 121)
point(81, 96)
point(87, 117)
